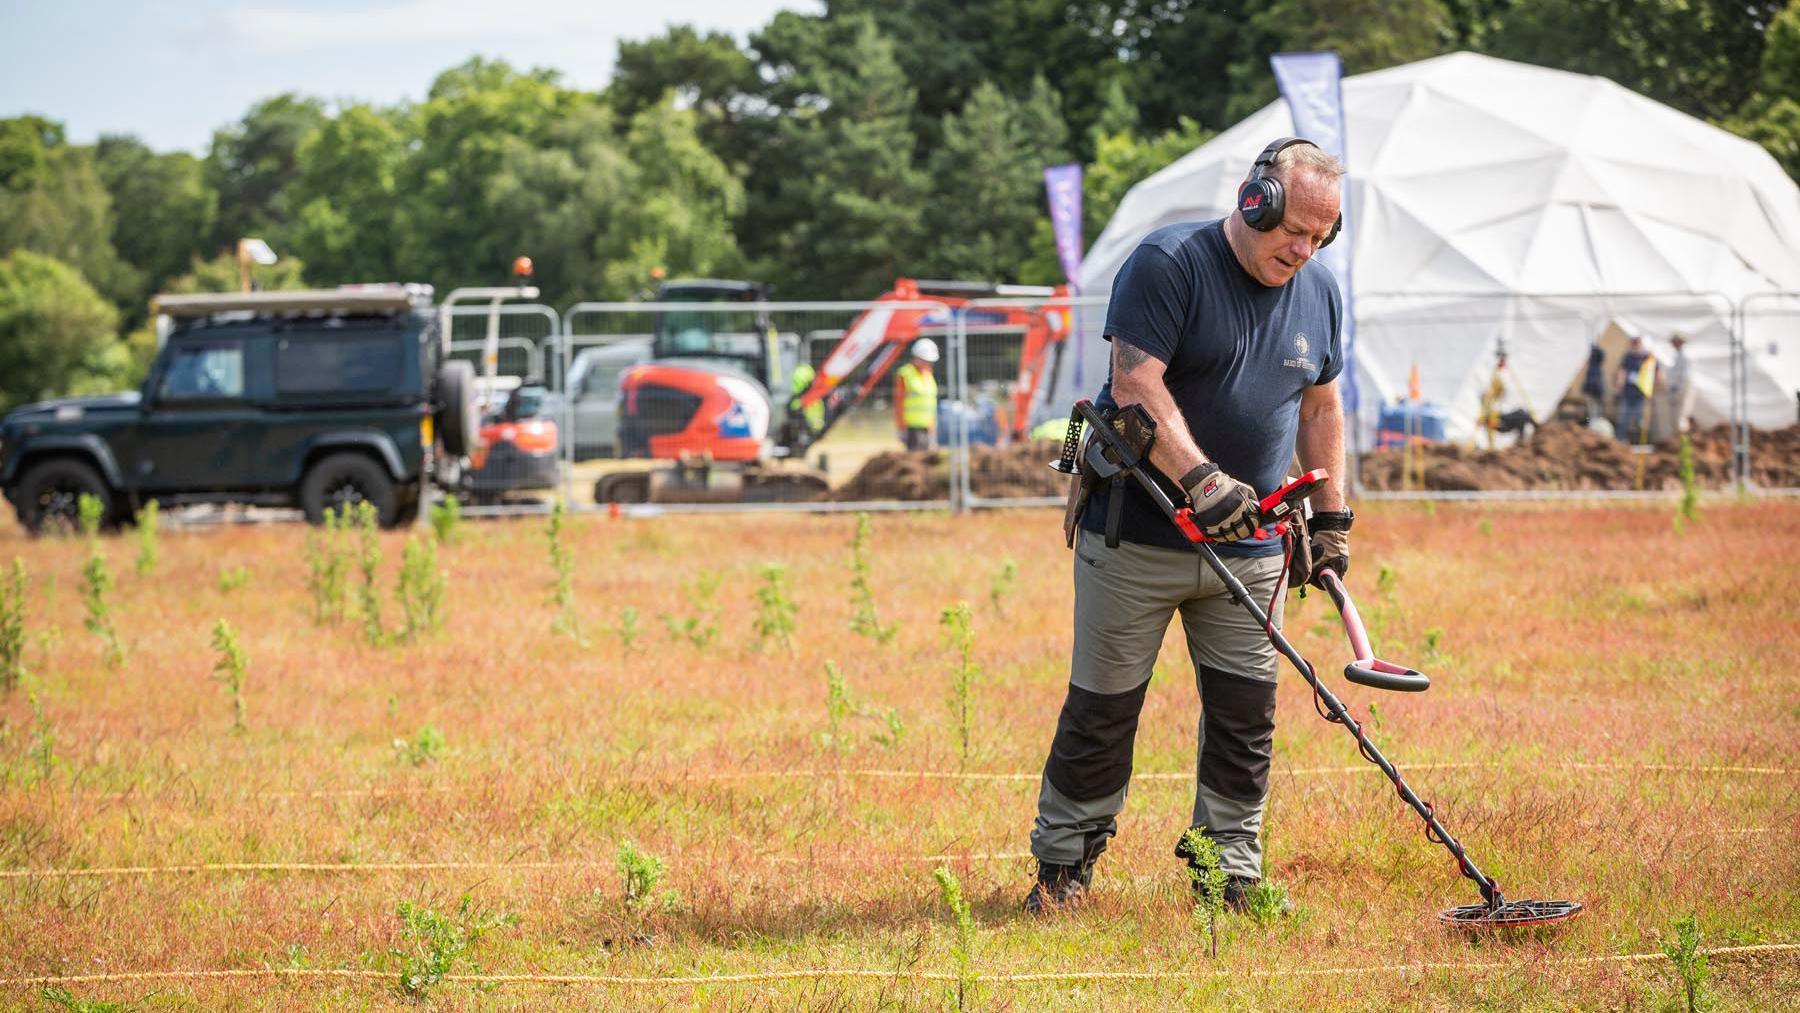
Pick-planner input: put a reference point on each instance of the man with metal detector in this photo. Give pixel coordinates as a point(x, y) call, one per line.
point(1229, 338)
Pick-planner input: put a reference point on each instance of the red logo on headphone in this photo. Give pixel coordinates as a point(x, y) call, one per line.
point(1252, 201)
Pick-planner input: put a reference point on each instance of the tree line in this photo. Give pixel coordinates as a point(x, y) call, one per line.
point(827, 154)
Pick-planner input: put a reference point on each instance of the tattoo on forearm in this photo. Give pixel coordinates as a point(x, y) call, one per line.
point(1129, 355)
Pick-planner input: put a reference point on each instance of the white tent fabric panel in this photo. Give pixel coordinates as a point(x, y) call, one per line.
point(1526, 200)
point(1771, 330)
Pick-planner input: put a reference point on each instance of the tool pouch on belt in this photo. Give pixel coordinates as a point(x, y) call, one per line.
point(1299, 551)
point(1101, 473)
point(1079, 488)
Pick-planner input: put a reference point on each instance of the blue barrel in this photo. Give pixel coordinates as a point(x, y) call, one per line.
point(984, 422)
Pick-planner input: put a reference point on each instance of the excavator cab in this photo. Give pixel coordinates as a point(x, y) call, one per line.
point(688, 330)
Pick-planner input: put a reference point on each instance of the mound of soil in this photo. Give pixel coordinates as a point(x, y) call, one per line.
point(899, 474)
point(1569, 456)
point(1016, 472)
point(1021, 470)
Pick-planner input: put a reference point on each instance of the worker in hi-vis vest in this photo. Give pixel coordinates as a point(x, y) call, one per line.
point(815, 412)
point(915, 397)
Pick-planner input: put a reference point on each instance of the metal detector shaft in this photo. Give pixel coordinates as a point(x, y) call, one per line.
point(1336, 711)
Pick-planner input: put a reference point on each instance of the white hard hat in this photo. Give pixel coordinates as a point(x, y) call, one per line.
point(924, 350)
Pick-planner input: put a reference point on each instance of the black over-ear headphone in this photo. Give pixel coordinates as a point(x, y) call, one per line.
point(1262, 200)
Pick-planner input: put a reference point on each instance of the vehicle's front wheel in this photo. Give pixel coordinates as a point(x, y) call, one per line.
point(341, 482)
point(411, 497)
point(49, 499)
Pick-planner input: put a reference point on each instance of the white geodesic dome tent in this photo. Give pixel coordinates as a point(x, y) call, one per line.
point(1492, 201)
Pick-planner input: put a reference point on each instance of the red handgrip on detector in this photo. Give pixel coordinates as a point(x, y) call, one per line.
point(1184, 519)
point(1277, 506)
point(1288, 498)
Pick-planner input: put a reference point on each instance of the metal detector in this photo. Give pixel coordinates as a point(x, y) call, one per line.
point(1108, 456)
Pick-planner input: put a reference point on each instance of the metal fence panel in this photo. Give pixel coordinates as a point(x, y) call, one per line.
point(1766, 381)
point(515, 463)
point(1010, 353)
point(688, 406)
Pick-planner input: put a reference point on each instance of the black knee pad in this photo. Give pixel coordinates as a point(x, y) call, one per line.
point(1239, 717)
point(1090, 757)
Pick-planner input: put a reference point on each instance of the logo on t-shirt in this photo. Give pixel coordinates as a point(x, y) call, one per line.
point(1300, 347)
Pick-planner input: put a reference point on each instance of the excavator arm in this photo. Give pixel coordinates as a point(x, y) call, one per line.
point(885, 331)
point(1046, 338)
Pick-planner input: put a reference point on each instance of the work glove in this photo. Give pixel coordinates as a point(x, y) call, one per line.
point(1225, 508)
point(1330, 532)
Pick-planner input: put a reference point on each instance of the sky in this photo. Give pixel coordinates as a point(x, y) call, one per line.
point(173, 72)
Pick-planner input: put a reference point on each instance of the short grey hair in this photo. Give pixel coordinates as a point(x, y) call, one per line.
point(1309, 159)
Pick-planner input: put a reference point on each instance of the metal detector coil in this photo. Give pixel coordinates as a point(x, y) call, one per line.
point(1512, 914)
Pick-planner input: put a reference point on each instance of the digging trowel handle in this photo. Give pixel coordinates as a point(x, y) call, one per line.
point(1368, 670)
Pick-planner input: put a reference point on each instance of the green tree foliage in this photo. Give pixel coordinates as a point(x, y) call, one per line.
point(555, 198)
point(452, 235)
point(707, 73)
point(1182, 58)
point(1773, 123)
point(56, 332)
point(25, 143)
point(346, 197)
point(254, 162)
point(1367, 35)
point(1771, 116)
point(220, 274)
point(55, 204)
point(949, 48)
point(163, 211)
point(1691, 54)
point(988, 182)
point(684, 204)
point(598, 210)
point(851, 194)
point(1781, 53)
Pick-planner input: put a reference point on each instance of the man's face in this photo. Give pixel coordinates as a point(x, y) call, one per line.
point(1312, 208)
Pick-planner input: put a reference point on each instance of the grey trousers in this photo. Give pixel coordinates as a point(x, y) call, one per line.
point(1124, 599)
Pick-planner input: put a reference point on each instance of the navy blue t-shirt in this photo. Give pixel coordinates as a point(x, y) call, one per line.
point(1239, 354)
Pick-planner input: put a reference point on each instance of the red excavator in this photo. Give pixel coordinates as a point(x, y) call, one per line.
point(717, 384)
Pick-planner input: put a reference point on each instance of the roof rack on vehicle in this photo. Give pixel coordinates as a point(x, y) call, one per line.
point(347, 299)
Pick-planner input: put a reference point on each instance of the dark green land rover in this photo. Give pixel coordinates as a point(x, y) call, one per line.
point(315, 399)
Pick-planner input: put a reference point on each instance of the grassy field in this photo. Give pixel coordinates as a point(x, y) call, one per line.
point(1613, 720)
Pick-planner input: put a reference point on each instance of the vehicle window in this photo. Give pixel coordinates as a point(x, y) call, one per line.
point(603, 381)
point(525, 403)
point(335, 365)
point(198, 372)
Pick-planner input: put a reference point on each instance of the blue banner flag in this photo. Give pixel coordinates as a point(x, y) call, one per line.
point(1312, 83)
point(1062, 183)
